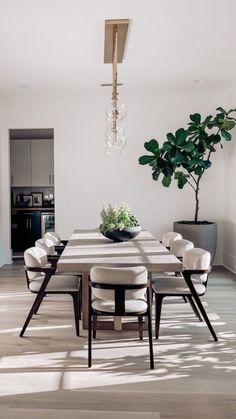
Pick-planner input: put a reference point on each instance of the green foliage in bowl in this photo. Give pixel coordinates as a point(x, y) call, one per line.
point(117, 218)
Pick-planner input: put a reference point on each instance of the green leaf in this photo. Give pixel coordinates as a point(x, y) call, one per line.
point(167, 147)
point(146, 159)
point(198, 171)
point(220, 118)
point(182, 179)
point(180, 135)
point(151, 146)
point(192, 128)
point(156, 174)
point(194, 161)
point(171, 138)
point(226, 135)
point(207, 164)
point(179, 158)
point(168, 169)
point(161, 163)
point(215, 138)
point(221, 110)
point(228, 125)
point(166, 181)
point(196, 118)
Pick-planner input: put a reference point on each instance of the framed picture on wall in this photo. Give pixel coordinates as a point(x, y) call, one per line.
point(24, 200)
point(37, 198)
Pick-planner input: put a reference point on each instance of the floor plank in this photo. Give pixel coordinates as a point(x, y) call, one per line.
point(194, 377)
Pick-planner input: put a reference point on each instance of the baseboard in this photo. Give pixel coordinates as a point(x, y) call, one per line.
point(229, 262)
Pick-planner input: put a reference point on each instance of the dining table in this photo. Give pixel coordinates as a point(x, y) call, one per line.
point(88, 247)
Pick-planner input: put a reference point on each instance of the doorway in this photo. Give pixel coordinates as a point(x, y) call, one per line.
point(32, 185)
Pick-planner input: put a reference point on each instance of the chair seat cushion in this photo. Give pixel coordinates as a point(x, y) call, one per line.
point(60, 283)
point(159, 275)
point(176, 286)
point(131, 306)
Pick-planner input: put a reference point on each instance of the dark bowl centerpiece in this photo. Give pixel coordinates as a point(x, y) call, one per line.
point(119, 224)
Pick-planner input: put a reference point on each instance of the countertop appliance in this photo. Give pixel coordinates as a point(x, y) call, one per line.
point(47, 222)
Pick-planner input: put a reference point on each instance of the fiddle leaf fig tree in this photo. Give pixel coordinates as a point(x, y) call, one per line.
point(186, 155)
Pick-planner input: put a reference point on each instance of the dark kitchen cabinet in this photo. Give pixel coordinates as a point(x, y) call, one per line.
point(26, 229)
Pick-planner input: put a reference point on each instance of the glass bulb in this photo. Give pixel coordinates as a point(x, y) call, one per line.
point(112, 152)
point(115, 137)
point(112, 112)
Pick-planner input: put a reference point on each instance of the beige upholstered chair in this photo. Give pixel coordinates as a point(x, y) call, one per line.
point(41, 280)
point(119, 292)
point(48, 246)
point(56, 239)
point(169, 237)
point(179, 246)
point(193, 284)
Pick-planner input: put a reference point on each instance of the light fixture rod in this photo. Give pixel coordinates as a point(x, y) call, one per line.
point(114, 65)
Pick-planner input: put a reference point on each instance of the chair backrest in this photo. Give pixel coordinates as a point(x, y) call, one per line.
point(169, 237)
point(35, 257)
point(136, 275)
point(197, 259)
point(179, 247)
point(47, 245)
point(54, 237)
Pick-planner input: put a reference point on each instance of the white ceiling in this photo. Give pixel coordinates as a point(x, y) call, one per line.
point(57, 45)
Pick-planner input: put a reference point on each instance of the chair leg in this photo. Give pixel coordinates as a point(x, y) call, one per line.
point(34, 307)
point(94, 326)
point(150, 333)
point(200, 306)
point(76, 303)
point(39, 304)
point(90, 340)
point(158, 306)
point(80, 299)
point(194, 307)
point(140, 327)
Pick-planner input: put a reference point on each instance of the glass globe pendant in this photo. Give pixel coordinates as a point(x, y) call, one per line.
point(115, 139)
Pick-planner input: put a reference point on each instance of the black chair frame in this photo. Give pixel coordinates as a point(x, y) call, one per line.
point(119, 295)
point(43, 292)
point(193, 299)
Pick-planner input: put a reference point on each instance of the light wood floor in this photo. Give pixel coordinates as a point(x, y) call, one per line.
point(194, 377)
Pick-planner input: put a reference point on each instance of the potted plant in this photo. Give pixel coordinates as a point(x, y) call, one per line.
point(185, 157)
point(118, 223)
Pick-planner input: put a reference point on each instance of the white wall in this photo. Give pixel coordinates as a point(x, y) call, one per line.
point(85, 179)
point(229, 231)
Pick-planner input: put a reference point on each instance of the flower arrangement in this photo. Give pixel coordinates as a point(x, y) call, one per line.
point(117, 218)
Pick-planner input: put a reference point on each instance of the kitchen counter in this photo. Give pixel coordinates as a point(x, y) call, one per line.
point(32, 209)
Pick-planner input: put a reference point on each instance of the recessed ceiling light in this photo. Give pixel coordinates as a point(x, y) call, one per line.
point(200, 81)
point(24, 86)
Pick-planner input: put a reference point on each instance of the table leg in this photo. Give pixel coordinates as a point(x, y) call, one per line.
point(117, 323)
point(85, 276)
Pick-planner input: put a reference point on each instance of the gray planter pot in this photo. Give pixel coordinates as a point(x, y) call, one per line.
point(202, 235)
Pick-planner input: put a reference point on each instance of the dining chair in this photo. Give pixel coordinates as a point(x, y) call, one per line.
point(192, 284)
point(47, 245)
point(169, 237)
point(178, 248)
point(42, 280)
point(56, 239)
point(119, 292)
